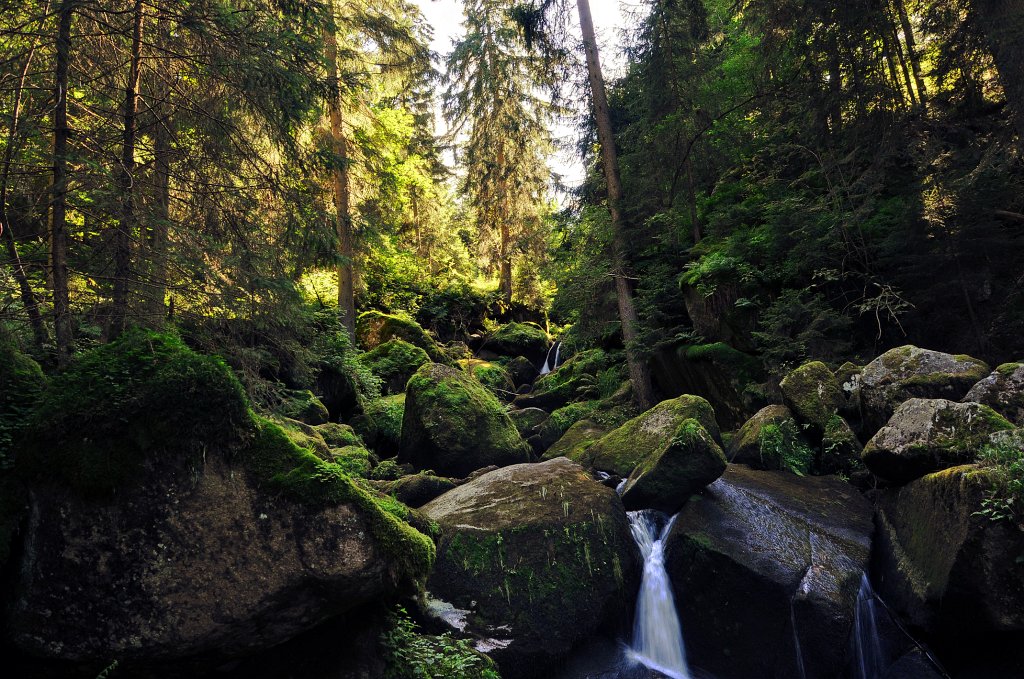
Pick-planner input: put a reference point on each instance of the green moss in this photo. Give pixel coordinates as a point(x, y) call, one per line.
point(145, 394)
point(302, 405)
point(517, 339)
point(492, 375)
point(813, 393)
point(577, 373)
point(300, 475)
point(353, 460)
point(338, 435)
point(1007, 369)
point(387, 470)
point(394, 362)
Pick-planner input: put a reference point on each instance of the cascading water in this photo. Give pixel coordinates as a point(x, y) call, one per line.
point(550, 365)
point(867, 641)
point(657, 636)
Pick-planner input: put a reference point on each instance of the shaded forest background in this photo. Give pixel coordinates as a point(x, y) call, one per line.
point(802, 179)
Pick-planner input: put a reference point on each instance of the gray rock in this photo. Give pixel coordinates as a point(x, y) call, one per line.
point(1003, 391)
point(926, 435)
point(908, 372)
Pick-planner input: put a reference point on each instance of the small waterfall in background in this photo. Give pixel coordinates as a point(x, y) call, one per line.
point(657, 636)
point(550, 364)
point(867, 641)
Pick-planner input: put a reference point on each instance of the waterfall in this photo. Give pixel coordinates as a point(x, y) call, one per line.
point(866, 639)
point(550, 365)
point(657, 636)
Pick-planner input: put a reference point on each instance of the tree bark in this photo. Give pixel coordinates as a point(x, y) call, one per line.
point(126, 227)
point(342, 215)
point(639, 373)
point(156, 286)
point(915, 60)
point(59, 188)
point(28, 297)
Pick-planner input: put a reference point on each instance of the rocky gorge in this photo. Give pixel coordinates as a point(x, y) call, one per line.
point(475, 520)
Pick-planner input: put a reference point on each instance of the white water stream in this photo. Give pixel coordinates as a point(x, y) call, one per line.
point(657, 636)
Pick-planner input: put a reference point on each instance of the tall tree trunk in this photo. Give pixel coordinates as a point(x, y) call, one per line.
point(691, 190)
point(1003, 23)
point(125, 230)
point(156, 286)
point(505, 232)
point(887, 50)
point(639, 373)
point(915, 60)
point(28, 297)
point(342, 215)
point(59, 189)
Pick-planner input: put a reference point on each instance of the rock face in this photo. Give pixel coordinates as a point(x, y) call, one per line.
point(535, 557)
point(302, 405)
point(183, 567)
point(576, 440)
point(926, 435)
point(620, 451)
point(907, 372)
point(380, 425)
point(813, 393)
point(943, 565)
point(764, 563)
point(1003, 391)
point(668, 476)
point(454, 426)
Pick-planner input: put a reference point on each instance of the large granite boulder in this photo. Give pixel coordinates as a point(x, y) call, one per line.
point(814, 395)
point(454, 426)
point(394, 362)
point(944, 562)
point(576, 440)
point(532, 559)
point(766, 568)
point(926, 435)
point(668, 475)
point(748, 444)
point(519, 339)
point(621, 450)
point(908, 372)
point(380, 424)
point(374, 328)
point(169, 525)
point(1003, 391)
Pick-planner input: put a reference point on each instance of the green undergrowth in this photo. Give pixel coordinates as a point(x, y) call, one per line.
point(302, 476)
point(144, 394)
point(782, 447)
point(409, 654)
point(1004, 457)
point(21, 385)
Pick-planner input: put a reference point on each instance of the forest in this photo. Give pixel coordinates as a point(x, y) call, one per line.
point(314, 363)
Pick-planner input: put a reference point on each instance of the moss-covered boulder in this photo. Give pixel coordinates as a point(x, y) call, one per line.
point(416, 490)
point(535, 558)
point(909, 372)
point(841, 450)
point(223, 537)
point(767, 566)
point(302, 405)
point(521, 370)
point(667, 476)
point(1003, 391)
point(945, 563)
point(380, 425)
point(562, 418)
point(394, 362)
point(621, 450)
point(576, 379)
point(813, 393)
point(374, 328)
point(576, 441)
point(528, 340)
point(494, 376)
point(454, 426)
point(745, 447)
point(527, 420)
point(927, 435)
point(337, 435)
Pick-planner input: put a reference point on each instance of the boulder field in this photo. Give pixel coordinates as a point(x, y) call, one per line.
point(200, 538)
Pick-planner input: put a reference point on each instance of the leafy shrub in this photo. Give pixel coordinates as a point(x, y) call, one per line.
point(782, 447)
point(1004, 456)
point(411, 655)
